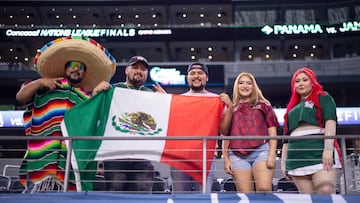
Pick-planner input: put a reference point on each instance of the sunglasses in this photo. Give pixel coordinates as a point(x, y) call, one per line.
point(75, 65)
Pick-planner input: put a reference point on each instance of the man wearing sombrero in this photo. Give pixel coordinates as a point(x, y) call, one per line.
point(71, 69)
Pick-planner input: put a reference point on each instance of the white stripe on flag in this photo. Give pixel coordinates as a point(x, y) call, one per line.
point(149, 105)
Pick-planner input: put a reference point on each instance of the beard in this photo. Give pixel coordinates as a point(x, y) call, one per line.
point(136, 82)
point(197, 88)
point(73, 81)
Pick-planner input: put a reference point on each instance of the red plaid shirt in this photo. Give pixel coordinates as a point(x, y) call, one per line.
point(251, 121)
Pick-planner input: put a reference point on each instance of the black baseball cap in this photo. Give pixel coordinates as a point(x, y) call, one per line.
point(203, 67)
point(136, 59)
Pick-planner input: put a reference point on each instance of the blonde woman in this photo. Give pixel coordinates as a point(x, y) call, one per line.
point(250, 161)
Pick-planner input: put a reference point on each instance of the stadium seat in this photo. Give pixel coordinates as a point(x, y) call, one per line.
point(99, 183)
point(159, 186)
point(216, 186)
point(5, 183)
point(229, 185)
point(286, 186)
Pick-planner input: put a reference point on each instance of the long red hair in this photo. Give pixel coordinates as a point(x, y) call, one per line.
point(317, 90)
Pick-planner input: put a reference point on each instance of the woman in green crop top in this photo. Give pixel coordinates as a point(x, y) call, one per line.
point(312, 163)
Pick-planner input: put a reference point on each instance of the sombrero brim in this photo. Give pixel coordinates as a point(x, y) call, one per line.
point(100, 65)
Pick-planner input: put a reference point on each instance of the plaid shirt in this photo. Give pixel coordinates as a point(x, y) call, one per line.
point(251, 121)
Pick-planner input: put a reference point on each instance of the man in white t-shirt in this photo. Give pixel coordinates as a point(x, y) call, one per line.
point(197, 77)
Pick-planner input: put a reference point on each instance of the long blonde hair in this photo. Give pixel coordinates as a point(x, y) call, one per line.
point(256, 94)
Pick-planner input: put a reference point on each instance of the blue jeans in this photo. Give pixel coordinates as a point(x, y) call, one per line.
point(130, 176)
point(247, 161)
point(183, 183)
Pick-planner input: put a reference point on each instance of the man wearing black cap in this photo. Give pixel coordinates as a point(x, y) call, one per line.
point(129, 175)
point(136, 75)
point(197, 77)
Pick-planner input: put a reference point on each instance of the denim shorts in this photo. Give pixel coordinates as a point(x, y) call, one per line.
point(246, 162)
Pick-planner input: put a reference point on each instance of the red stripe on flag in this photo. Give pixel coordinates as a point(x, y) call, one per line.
point(192, 116)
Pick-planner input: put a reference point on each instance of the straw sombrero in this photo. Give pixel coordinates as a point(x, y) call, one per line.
point(100, 64)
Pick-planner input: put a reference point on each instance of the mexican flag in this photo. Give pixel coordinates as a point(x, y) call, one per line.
point(145, 123)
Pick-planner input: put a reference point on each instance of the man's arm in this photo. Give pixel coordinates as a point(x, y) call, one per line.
point(102, 86)
point(27, 92)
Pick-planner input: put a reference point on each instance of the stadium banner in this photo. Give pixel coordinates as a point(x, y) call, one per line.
point(346, 116)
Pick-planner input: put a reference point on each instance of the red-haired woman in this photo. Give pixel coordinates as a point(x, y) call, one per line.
point(311, 163)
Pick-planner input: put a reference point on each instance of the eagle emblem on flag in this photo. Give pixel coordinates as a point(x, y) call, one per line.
point(136, 123)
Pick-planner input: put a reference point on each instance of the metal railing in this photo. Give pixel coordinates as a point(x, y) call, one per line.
point(341, 138)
